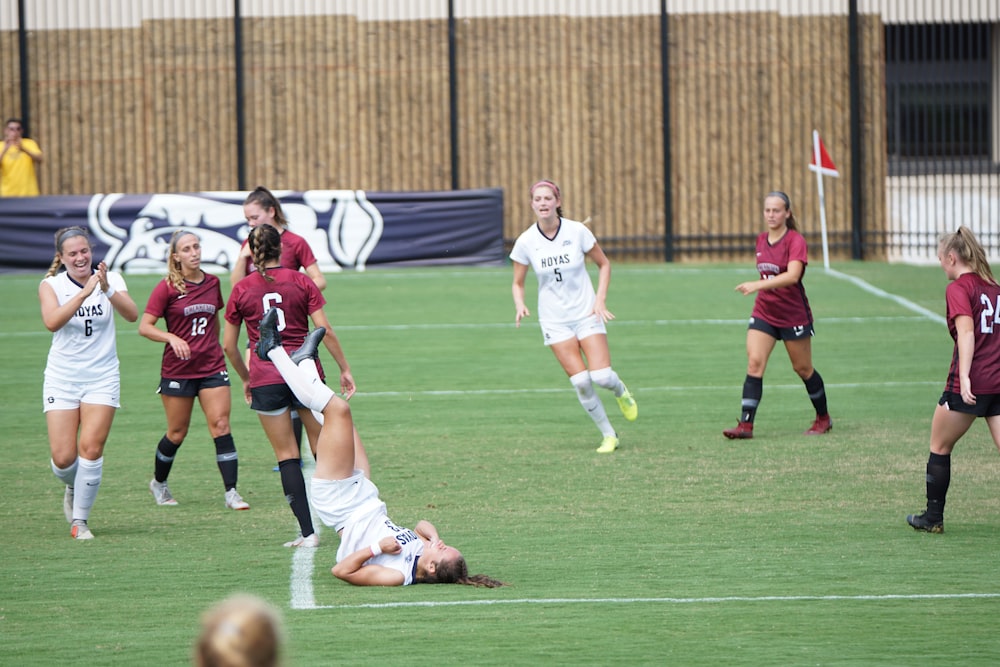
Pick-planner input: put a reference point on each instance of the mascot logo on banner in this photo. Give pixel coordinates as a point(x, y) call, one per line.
point(341, 226)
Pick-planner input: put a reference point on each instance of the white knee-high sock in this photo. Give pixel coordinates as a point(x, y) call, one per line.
point(308, 389)
point(607, 378)
point(591, 402)
point(88, 482)
point(308, 367)
point(65, 475)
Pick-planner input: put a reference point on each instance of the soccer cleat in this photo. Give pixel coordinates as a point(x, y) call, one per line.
point(310, 346)
point(742, 431)
point(921, 522)
point(68, 504)
point(268, 332)
point(310, 542)
point(80, 531)
point(608, 445)
point(628, 405)
point(234, 501)
point(820, 426)
point(161, 493)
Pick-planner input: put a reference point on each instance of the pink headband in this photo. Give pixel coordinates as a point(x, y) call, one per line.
point(550, 184)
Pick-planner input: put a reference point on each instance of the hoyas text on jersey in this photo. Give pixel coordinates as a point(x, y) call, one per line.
point(95, 310)
point(552, 261)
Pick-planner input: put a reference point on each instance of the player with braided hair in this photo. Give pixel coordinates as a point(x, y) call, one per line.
point(296, 300)
point(262, 207)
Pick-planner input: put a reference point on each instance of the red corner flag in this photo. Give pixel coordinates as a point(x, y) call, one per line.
point(826, 166)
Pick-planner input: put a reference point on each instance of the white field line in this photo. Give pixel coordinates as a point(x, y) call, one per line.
point(906, 303)
point(123, 331)
point(704, 600)
point(639, 390)
point(300, 582)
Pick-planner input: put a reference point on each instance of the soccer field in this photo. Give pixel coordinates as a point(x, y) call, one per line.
point(680, 548)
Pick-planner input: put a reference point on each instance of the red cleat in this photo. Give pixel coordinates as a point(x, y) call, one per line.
point(742, 431)
point(820, 426)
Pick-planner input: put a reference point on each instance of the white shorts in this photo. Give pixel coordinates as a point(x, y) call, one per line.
point(553, 333)
point(69, 395)
point(340, 501)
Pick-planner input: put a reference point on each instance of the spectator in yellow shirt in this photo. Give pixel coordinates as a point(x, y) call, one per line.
point(17, 162)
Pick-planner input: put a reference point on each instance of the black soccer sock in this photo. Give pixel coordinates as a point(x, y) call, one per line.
point(294, 486)
point(165, 453)
point(753, 389)
point(938, 480)
point(226, 458)
point(297, 428)
point(817, 393)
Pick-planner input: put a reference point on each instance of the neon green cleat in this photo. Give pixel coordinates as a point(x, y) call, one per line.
point(628, 405)
point(608, 445)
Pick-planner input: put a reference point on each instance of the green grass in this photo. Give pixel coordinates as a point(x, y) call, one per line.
point(681, 548)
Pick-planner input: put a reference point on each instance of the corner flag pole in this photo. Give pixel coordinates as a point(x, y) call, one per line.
point(822, 164)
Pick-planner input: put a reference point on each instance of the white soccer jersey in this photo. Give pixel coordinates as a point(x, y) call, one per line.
point(565, 291)
point(364, 531)
point(84, 349)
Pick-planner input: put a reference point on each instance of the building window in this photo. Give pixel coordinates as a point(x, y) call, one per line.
point(938, 97)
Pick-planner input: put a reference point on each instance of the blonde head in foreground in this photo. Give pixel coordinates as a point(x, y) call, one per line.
point(241, 631)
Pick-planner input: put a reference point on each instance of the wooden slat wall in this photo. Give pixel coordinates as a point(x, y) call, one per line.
point(334, 102)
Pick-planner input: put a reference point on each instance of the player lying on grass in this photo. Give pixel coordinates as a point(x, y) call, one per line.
point(373, 551)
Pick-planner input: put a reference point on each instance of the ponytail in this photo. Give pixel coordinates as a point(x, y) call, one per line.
point(969, 251)
point(457, 572)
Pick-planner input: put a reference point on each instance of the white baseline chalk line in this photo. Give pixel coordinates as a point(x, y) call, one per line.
point(669, 600)
point(300, 581)
point(906, 303)
point(430, 326)
point(642, 390)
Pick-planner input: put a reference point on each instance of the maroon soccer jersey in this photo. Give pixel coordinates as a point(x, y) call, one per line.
point(295, 253)
point(194, 317)
point(786, 306)
point(972, 296)
point(293, 294)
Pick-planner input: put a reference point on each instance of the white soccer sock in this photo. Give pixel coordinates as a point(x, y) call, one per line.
point(607, 378)
point(88, 482)
point(591, 402)
point(65, 475)
point(307, 387)
point(308, 367)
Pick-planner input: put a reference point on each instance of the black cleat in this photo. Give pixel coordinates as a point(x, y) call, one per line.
point(269, 336)
point(921, 522)
point(310, 346)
